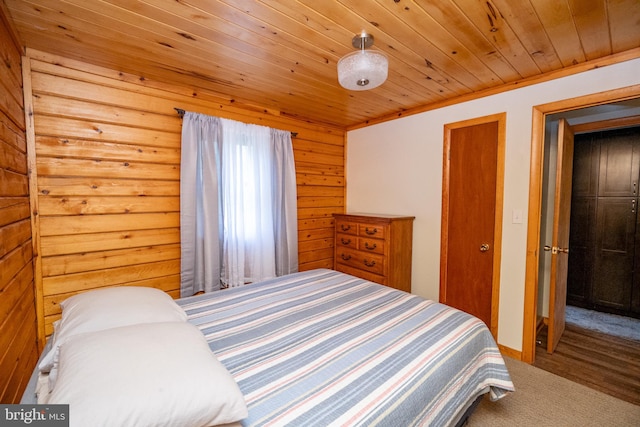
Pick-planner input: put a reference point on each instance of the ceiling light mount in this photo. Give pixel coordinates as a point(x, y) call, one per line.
point(363, 69)
point(362, 41)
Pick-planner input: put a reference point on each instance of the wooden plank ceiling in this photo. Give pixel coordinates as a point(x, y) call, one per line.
point(281, 55)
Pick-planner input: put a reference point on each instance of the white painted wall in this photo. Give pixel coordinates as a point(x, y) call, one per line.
point(396, 168)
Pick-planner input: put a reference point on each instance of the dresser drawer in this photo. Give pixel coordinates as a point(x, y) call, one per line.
point(347, 240)
point(371, 245)
point(372, 230)
point(347, 227)
point(364, 261)
point(376, 278)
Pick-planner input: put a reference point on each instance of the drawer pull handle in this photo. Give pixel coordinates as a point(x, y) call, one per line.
point(345, 227)
point(366, 245)
point(370, 232)
point(345, 257)
point(369, 264)
point(345, 241)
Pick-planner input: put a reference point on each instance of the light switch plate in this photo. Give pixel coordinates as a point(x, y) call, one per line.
point(516, 217)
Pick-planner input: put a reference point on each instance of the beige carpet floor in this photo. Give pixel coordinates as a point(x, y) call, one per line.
point(543, 399)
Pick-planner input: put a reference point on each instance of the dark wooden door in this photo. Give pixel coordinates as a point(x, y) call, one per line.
point(604, 263)
point(586, 166)
point(584, 192)
point(582, 244)
point(614, 252)
point(471, 177)
point(635, 286)
point(616, 220)
point(619, 164)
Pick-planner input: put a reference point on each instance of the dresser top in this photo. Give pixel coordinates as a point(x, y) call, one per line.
point(371, 216)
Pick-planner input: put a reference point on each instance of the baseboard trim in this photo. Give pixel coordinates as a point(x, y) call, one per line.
point(509, 352)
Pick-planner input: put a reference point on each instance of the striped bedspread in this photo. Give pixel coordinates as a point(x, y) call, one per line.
point(322, 348)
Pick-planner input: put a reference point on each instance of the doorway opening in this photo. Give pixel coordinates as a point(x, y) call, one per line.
point(607, 355)
point(604, 199)
point(534, 280)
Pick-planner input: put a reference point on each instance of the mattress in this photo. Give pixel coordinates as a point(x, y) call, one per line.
point(322, 348)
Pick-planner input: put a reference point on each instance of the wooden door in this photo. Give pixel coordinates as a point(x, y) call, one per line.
point(616, 220)
point(614, 253)
point(619, 164)
point(581, 241)
point(584, 191)
point(603, 237)
point(560, 240)
point(635, 284)
point(472, 217)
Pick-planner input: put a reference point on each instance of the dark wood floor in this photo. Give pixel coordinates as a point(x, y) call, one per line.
point(602, 362)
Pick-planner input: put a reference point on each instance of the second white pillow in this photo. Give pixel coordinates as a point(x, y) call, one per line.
point(106, 308)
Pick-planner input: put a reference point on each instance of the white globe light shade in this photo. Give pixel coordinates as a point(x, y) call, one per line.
point(363, 69)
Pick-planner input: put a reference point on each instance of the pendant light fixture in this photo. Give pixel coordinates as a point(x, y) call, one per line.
point(362, 69)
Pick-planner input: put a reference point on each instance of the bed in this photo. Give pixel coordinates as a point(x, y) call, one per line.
point(320, 348)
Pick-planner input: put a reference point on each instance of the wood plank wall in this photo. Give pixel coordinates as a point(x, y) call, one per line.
point(18, 349)
point(107, 163)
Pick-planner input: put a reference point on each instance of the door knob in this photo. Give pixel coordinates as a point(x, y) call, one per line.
point(484, 247)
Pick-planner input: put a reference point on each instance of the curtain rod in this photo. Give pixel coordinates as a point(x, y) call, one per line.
point(181, 112)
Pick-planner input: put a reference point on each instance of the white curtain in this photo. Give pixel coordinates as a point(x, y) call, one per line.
point(238, 204)
point(285, 203)
point(200, 238)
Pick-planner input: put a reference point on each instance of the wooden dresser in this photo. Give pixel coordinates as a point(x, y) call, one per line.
point(375, 248)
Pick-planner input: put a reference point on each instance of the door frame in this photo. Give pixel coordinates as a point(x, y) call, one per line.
point(535, 200)
point(501, 120)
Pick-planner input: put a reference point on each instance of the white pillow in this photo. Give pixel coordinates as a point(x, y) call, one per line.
point(106, 308)
point(145, 375)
